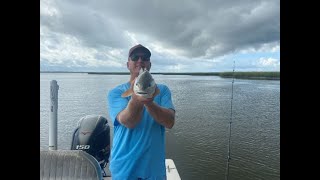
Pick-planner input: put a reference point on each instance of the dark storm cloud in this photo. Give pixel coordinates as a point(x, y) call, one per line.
point(204, 29)
point(199, 28)
point(91, 27)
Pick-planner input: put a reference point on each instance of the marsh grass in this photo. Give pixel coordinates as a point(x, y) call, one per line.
point(252, 75)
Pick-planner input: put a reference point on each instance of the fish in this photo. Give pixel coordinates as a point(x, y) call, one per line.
point(144, 85)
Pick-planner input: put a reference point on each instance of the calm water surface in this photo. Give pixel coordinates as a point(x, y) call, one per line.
point(198, 142)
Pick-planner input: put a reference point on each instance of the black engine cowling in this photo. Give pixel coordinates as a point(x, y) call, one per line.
point(93, 136)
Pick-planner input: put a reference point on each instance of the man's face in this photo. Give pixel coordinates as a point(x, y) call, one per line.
point(137, 61)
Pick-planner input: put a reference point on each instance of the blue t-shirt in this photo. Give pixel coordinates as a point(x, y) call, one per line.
point(137, 152)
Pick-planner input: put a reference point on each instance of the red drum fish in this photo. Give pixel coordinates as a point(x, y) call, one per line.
point(144, 85)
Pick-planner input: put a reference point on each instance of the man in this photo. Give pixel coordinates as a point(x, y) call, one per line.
point(138, 150)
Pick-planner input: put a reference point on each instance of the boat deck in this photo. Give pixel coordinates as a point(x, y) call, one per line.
point(73, 164)
point(172, 172)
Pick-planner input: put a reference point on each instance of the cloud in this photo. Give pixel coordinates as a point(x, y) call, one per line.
point(99, 33)
point(269, 62)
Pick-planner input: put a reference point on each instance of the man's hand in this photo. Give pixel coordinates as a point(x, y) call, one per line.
point(141, 99)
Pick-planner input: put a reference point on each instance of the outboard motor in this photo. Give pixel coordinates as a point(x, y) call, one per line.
point(92, 135)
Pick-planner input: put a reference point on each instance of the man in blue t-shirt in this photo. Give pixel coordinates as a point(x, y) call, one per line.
point(138, 150)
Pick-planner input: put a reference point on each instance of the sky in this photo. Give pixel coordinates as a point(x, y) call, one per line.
point(182, 35)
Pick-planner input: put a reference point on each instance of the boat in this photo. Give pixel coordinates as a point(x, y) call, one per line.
point(77, 163)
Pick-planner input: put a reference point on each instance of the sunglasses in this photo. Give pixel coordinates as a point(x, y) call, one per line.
point(135, 57)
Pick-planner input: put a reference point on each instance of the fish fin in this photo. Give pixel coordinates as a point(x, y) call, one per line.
point(127, 93)
point(157, 91)
point(141, 70)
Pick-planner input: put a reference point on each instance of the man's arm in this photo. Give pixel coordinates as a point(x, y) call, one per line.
point(132, 114)
point(162, 115)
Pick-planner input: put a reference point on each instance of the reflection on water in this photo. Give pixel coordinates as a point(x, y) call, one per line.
point(198, 141)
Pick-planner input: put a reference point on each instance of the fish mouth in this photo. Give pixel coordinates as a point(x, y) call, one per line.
point(142, 93)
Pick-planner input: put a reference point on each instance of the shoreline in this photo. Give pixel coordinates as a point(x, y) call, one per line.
point(258, 75)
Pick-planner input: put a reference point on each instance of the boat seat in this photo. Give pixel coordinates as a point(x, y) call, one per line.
point(68, 165)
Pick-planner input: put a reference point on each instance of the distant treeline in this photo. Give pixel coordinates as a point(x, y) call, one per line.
point(252, 75)
point(192, 74)
point(245, 75)
point(167, 73)
point(273, 75)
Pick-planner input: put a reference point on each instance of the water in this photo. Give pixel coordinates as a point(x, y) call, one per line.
point(198, 142)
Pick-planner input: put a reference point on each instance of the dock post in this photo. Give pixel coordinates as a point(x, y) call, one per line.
point(53, 115)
